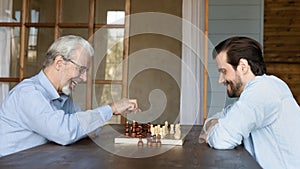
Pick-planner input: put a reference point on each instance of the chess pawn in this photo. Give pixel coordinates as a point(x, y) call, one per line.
point(156, 130)
point(133, 132)
point(137, 131)
point(158, 142)
point(148, 129)
point(172, 129)
point(177, 134)
point(127, 129)
point(140, 142)
point(160, 131)
point(154, 139)
point(152, 129)
point(166, 127)
point(149, 141)
point(163, 132)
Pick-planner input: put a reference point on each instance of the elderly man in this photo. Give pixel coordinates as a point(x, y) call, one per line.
point(39, 109)
point(266, 117)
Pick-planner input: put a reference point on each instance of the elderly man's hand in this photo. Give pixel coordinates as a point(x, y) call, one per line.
point(124, 106)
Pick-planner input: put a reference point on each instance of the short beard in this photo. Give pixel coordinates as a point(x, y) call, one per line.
point(236, 89)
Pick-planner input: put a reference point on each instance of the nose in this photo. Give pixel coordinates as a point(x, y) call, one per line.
point(221, 78)
point(83, 76)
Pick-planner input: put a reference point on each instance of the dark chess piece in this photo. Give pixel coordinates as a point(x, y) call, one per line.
point(148, 128)
point(127, 129)
point(149, 141)
point(158, 141)
point(140, 142)
point(133, 129)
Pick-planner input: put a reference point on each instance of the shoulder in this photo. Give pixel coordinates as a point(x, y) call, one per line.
point(267, 84)
point(263, 89)
point(26, 85)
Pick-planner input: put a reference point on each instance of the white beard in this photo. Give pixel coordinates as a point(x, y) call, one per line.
point(66, 89)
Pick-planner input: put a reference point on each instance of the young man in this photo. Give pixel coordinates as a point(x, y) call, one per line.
point(266, 117)
point(39, 109)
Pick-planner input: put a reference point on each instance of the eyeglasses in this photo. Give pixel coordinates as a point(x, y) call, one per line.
point(82, 69)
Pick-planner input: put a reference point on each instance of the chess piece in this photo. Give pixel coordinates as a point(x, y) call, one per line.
point(127, 129)
point(149, 141)
point(140, 142)
point(163, 133)
point(172, 129)
point(177, 134)
point(166, 127)
point(138, 131)
point(148, 129)
point(133, 129)
point(158, 142)
point(152, 129)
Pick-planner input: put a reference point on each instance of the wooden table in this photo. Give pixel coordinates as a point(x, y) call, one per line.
point(86, 154)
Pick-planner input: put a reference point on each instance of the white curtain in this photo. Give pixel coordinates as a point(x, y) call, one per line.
point(5, 45)
point(191, 108)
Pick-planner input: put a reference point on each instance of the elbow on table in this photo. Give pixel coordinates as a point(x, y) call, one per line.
point(221, 144)
point(66, 140)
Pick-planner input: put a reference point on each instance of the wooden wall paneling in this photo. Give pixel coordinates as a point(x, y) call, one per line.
point(288, 72)
point(282, 40)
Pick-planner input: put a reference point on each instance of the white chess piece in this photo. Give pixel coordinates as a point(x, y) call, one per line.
point(163, 131)
point(152, 130)
point(177, 134)
point(172, 129)
point(160, 131)
point(166, 127)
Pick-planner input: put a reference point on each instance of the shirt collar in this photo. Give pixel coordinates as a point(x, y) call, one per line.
point(47, 85)
point(254, 80)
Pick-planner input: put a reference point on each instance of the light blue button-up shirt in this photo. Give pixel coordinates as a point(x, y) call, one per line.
point(34, 113)
point(266, 118)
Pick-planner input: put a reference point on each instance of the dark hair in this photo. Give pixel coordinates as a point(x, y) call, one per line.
point(238, 48)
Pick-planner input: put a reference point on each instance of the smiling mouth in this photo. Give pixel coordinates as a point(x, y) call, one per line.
point(73, 84)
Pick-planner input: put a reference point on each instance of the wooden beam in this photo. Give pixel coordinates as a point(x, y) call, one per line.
point(57, 18)
point(125, 54)
point(89, 86)
point(23, 38)
point(205, 63)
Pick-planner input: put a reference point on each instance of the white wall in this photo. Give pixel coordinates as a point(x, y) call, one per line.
point(229, 18)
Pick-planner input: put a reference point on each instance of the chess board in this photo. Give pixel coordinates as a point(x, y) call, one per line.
point(136, 133)
point(167, 140)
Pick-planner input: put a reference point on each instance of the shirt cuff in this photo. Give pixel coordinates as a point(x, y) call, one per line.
point(106, 112)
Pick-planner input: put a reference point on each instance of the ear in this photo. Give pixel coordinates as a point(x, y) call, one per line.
point(243, 66)
point(58, 62)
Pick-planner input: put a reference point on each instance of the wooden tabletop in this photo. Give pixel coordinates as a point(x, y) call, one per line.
point(90, 154)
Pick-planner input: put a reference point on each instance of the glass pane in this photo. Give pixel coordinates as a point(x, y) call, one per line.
point(75, 11)
point(16, 11)
point(9, 51)
point(41, 11)
point(39, 41)
point(109, 54)
point(116, 17)
point(75, 31)
point(106, 93)
point(102, 6)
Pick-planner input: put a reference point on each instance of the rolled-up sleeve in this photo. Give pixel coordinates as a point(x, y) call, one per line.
point(92, 119)
point(246, 115)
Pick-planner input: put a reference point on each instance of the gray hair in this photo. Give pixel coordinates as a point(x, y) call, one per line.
point(64, 46)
